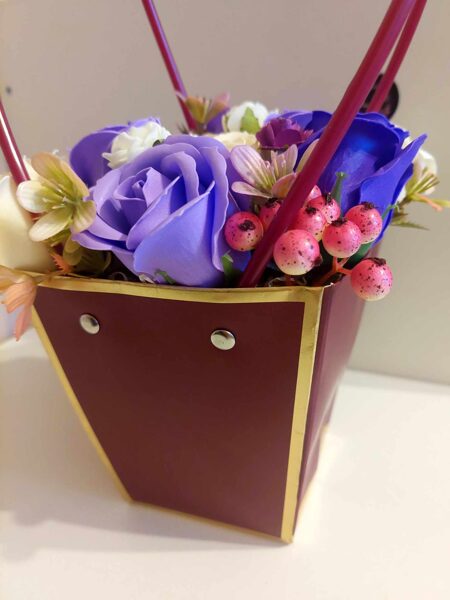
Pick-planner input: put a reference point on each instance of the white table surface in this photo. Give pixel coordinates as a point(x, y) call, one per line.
point(375, 525)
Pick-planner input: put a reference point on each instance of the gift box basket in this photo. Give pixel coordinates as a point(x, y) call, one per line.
point(207, 287)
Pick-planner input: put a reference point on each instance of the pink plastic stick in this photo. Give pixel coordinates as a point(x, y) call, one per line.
point(10, 150)
point(335, 131)
point(397, 57)
point(168, 58)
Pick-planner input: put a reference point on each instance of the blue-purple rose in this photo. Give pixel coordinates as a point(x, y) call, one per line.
point(86, 157)
point(163, 214)
point(371, 155)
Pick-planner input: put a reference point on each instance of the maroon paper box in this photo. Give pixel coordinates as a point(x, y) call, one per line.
point(232, 435)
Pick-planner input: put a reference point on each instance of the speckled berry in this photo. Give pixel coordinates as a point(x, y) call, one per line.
point(311, 220)
point(371, 279)
point(268, 212)
point(296, 252)
point(243, 231)
point(341, 238)
point(327, 206)
point(314, 193)
point(368, 219)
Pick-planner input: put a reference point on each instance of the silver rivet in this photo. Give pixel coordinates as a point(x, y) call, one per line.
point(89, 324)
point(223, 339)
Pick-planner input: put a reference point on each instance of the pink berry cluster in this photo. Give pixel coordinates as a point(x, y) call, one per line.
point(298, 251)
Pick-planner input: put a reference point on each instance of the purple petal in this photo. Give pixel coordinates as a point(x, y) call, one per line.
point(86, 156)
point(182, 165)
point(169, 201)
point(181, 246)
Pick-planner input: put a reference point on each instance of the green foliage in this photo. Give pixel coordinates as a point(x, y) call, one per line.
point(336, 192)
point(167, 278)
point(232, 274)
point(249, 122)
point(410, 225)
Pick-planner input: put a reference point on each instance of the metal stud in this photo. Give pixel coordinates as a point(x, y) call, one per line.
point(223, 339)
point(89, 324)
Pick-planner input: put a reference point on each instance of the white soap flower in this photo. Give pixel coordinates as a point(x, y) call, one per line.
point(248, 116)
point(231, 139)
point(424, 164)
point(132, 142)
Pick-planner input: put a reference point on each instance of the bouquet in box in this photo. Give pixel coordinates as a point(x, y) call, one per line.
point(144, 237)
point(139, 203)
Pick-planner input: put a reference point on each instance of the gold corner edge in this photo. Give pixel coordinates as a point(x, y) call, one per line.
point(38, 325)
point(308, 344)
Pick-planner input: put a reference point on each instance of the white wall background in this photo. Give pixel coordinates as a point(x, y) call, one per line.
point(74, 66)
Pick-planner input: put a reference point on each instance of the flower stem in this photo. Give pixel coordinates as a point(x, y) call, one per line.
point(336, 267)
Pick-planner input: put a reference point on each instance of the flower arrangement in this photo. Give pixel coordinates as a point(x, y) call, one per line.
point(289, 206)
point(136, 202)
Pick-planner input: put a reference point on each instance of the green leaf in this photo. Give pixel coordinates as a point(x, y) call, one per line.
point(167, 278)
point(410, 225)
point(249, 122)
point(336, 192)
point(93, 262)
point(356, 258)
point(231, 273)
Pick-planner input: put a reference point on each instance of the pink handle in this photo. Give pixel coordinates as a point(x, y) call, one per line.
point(168, 58)
point(10, 150)
point(332, 136)
point(397, 57)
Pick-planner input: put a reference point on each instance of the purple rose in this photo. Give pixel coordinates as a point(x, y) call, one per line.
point(164, 212)
point(86, 156)
point(371, 154)
point(279, 133)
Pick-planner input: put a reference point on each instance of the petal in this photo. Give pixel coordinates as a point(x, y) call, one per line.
point(240, 187)
point(306, 155)
point(21, 293)
point(50, 168)
point(281, 188)
point(284, 163)
point(367, 147)
point(84, 216)
point(385, 185)
point(184, 165)
point(182, 247)
point(35, 197)
point(251, 167)
point(9, 276)
point(220, 190)
point(86, 156)
point(78, 185)
point(315, 120)
point(50, 224)
point(23, 321)
point(169, 201)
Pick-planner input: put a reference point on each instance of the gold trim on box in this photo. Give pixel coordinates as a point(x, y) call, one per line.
point(312, 299)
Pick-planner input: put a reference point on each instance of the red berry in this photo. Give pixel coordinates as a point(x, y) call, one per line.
point(327, 206)
point(243, 231)
point(342, 238)
point(268, 212)
point(368, 219)
point(371, 279)
point(315, 192)
point(311, 220)
point(296, 252)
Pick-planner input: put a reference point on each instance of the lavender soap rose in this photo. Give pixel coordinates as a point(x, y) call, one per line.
point(163, 213)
